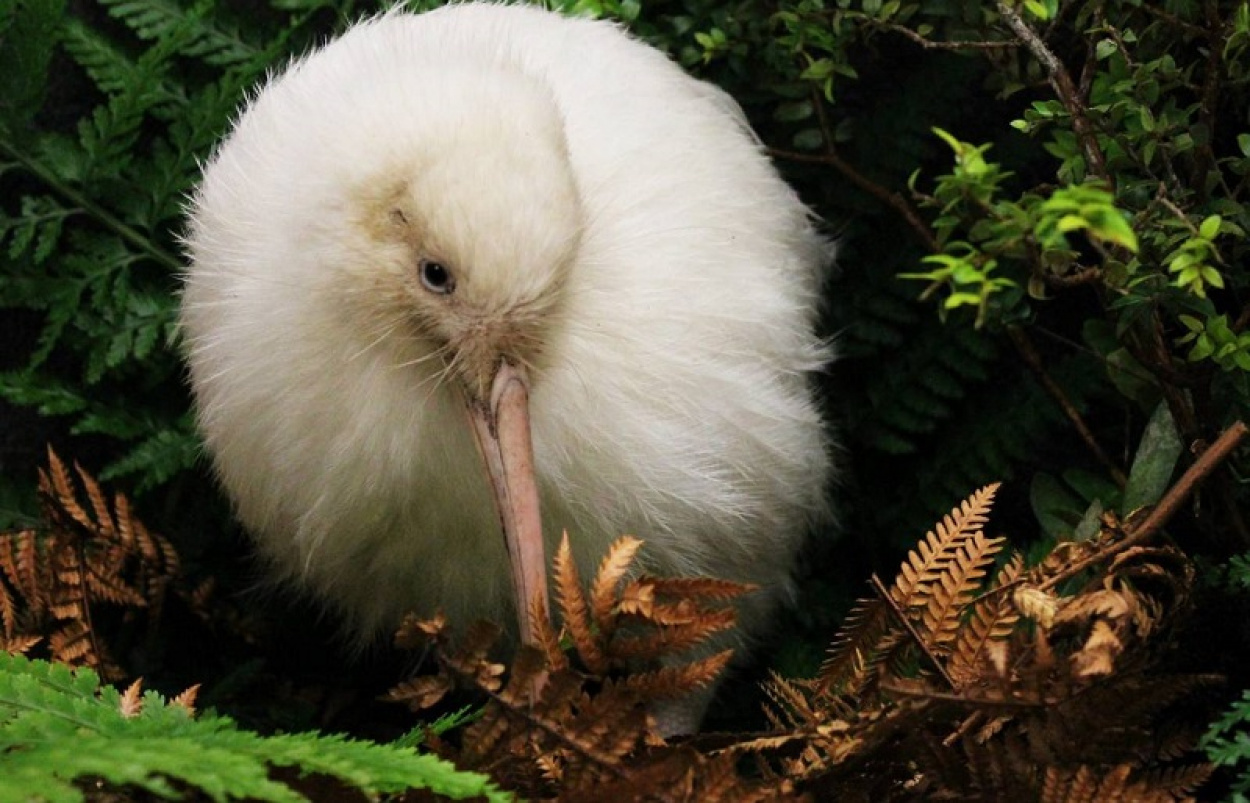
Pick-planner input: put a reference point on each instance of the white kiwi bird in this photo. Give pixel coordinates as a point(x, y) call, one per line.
point(457, 267)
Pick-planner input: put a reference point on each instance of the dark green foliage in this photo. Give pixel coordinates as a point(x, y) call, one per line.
point(1228, 744)
point(1109, 233)
point(92, 205)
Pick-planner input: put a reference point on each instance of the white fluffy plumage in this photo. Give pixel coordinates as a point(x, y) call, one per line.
point(610, 223)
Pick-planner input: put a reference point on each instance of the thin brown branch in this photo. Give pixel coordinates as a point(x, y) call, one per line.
point(1081, 277)
point(1172, 19)
point(1179, 403)
point(1168, 506)
point(891, 199)
point(1061, 82)
point(929, 44)
point(1243, 319)
point(962, 699)
point(1208, 108)
point(880, 588)
point(1028, 352)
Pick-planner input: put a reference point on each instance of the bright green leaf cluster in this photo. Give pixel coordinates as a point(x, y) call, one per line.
point(1191, 261)
point(1033, 228)
point(1214, 339)
point(1082, 207)
point(965, 272)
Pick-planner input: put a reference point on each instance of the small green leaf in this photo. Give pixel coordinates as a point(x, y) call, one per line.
point(1090, 524)
point(793, 112)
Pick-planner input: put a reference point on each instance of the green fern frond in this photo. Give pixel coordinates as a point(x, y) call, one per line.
point(58, 725)
point(28, 37)
point(158, 457)
point(111, 69)
point(215, 44)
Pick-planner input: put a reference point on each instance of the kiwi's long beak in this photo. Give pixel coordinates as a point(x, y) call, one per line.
point(502, 426)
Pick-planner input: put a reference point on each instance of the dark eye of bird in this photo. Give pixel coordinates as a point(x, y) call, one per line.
point(436, 278)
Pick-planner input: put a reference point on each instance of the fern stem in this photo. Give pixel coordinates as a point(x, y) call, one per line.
point(103, 216)
point(52, 711)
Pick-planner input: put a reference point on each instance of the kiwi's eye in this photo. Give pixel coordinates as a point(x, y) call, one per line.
point(436, 278)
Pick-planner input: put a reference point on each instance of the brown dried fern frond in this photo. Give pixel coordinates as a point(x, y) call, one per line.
point(992, 620)
point(578, 623)
point(921, 573)
point(550, 731)
point(845, 669)
point(1038, 687)
point(942, 615)
point(1115, 785)
point(88, 554)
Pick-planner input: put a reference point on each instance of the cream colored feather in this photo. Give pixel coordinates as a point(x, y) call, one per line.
point(610, 222)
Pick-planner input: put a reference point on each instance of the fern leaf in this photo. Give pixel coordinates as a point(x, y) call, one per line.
point(157, 19)
point(858, 638)
point(675, 682)
point(29, 33)
point(612, 570)
point(575, 610)
point(19, 563)
point(942, 615)
point(157, 458)
point(58, 488)
point(671, 640)
point(993, 619)
point(925, 565)
point(110, 69)
point(131, 703)
point(547, 638)
point(696, 588)
point(104, 525)
point(65, 727)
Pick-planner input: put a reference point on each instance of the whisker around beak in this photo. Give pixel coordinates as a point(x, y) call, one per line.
point(501, 426)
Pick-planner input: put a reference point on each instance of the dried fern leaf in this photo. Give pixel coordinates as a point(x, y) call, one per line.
point(20, 564)
point(1061, 786)
point(791, 709)
point(612, 570)
point(576, 611)
point(186, 699)
point(526, 677)
point(546, 636)
point(609, 725)
point(57, 488)
point(420, 692)
point(1179, 780)
point(72, 643)
point(846, 665)
point(696, 588)
point(993, 619)
point(673, 639)
point(925, 564)
point(103, 524)
point(954, 589)
point(106, 583)
point(130, 704)
point(675, 682)
point(18, 645)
